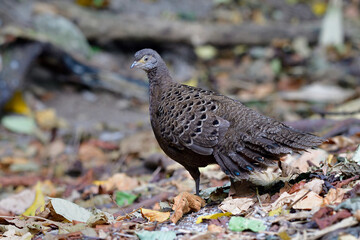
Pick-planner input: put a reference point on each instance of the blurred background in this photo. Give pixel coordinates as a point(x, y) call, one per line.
point(70, 103)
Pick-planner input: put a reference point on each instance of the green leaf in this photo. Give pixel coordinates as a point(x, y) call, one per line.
point(158, 235)
point(19, 124)
point(70, 210)
point(98, 3)
point(123, 198)
point(239, 224)
point(276, 65)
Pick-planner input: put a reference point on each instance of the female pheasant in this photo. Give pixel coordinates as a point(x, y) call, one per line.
point(197, 127)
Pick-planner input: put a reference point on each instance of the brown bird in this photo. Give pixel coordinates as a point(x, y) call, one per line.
point(197, 127)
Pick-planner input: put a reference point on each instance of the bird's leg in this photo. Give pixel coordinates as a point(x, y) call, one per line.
point(195, 173)
point(231, 180)
point(197, 186)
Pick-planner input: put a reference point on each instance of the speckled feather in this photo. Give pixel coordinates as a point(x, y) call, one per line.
point(197, 127)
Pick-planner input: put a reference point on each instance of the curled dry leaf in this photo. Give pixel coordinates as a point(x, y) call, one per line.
point(334, 196)
point(236, 205)
point(100, 218)
point(184, 203)
point(154, 216)
point(63, 209)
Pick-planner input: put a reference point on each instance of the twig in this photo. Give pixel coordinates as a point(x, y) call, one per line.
point(292, 216)
point(298, 199)
point(258, 197)
point(347, 222)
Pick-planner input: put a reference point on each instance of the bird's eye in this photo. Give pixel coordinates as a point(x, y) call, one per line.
point(146, 58)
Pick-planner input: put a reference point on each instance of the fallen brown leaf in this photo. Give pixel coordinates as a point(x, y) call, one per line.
point(297, 187)
point(18, 203)
point(308, 202)
point(154, 216)
point(305, 160)
point(315, 185)
point(334, 196)
point(184, 203)
point(304, 199)
point(121, 182)
point(91, 153)
point(326, 217)
point(338, 142)
point(355, 191)
point(236, 205)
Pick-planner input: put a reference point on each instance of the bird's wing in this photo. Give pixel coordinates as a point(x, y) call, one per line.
point(187, 119)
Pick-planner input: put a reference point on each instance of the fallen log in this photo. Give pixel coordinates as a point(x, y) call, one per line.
point(105, 25)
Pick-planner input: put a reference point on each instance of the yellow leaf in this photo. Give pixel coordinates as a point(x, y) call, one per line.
point(329, 159)
point(213, 216)
point(284, 236)
point(278, 211)
point(154, 216)
point(39, 202)
point(47, 119)
point(193, 82)
point(319, 8)
point(17, 104)
point(99, 182)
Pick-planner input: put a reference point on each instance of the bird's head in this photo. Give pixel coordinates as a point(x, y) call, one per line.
point(146, 59)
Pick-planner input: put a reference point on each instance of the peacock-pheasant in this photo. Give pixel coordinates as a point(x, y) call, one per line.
point(197, 127)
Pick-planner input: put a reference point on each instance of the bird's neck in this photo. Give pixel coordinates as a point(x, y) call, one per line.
point(159, 79)
point(159, 75)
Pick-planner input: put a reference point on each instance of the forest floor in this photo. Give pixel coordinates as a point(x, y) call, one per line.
point(78, 159)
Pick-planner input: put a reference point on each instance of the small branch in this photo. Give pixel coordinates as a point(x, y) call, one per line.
point(347, 222)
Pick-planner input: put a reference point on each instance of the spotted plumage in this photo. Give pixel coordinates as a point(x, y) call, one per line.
point(197, 127)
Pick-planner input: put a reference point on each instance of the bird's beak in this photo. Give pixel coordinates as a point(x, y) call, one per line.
point(134, 64)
